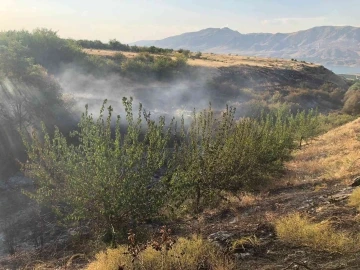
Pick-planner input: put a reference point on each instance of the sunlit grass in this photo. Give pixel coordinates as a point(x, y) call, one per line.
point(295, 229)
point(331, 156)
point(354, 199)
point(186, 254)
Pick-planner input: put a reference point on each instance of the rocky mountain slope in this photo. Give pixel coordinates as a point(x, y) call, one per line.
point(329, 45)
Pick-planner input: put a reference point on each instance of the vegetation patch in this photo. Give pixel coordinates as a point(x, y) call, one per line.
point(295, 229)
point(185, 254)
point(354, 199)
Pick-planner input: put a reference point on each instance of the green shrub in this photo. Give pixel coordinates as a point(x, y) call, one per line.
point(305, 125)
point(162, 67)
point(219, 154)
point(198, 55)
point(352, 100)
point(332, 120)
point(107, 176)
point(45, 47)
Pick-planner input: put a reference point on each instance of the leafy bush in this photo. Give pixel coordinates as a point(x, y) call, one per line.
point(305, 125)
point(28, 94)
point(107, 177)
point(146, 65)
point(332, 120)
point(198, 55)
point(219, 154)
point(186, 53)
point(45, 47)
point(297, 230)
point(352, 100)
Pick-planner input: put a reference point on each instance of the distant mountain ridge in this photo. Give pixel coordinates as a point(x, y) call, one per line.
point(328, 45)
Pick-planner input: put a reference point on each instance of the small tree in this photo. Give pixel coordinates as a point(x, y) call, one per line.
point(107, 177)
point(305, 125)
point(352, 100)
point(198, 55)
point(218, 154)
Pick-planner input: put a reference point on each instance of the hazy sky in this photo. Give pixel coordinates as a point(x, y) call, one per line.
point(132, 20)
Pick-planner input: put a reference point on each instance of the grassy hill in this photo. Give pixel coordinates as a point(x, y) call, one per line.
point(243, 80)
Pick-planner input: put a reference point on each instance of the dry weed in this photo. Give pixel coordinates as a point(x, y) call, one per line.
point(332, 156)
point(354, 199)
point(193, 253)
point(298, 230)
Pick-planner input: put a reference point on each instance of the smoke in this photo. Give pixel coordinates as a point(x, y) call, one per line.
point(170, 99)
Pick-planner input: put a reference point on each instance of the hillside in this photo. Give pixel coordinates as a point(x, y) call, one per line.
point(237, 80)
point(328, 45)
point(316, 185)
point(155, 177)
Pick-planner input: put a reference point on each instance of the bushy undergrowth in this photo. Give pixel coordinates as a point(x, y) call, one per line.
point(352, 100)
point(300, 230)
point(28, 94)
point(107, 175)
point(161, 67)
point(185, 254)
point(220, 154)
point(332, 120)
point(45, 48)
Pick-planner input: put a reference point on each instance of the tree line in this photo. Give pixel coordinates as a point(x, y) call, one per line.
point(115, 45)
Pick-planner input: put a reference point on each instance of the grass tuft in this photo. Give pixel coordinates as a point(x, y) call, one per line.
point(193, 253)
point(354, 199)
point(242, 243)
point(298, 230)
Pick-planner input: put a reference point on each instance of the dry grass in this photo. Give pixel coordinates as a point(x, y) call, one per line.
point(240, 244)
point(332, 156)
point(186, 254)
point(297, 230)
point(354, 199)
point(211, 60)
point(223, 60)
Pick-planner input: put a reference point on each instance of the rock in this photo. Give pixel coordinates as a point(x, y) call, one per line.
point(222, 239)
point(356, 182)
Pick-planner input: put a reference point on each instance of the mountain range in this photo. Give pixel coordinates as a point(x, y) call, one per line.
point(327, 45)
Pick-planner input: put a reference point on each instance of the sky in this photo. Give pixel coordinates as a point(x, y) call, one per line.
point(134, 20)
